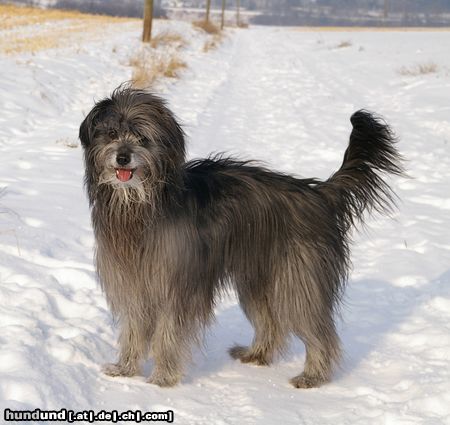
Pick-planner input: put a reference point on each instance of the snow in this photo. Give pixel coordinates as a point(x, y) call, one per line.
point(279, 95)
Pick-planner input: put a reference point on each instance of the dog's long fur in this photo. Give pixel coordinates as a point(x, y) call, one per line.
point(178, 233)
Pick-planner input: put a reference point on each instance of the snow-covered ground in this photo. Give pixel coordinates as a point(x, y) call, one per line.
point(283, 96)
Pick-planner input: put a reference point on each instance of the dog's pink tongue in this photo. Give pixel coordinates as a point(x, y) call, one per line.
point(123, 174)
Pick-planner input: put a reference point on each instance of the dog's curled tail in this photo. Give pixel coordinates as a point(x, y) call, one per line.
point(359, 185)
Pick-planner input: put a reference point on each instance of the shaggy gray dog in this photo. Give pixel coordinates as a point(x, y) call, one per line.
point(172, 235)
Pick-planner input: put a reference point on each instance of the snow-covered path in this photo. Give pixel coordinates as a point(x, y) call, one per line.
point(282, 96)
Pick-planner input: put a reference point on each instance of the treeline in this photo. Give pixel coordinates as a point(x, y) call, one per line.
point(354, 12)
point(338, 12)
point(339, 6)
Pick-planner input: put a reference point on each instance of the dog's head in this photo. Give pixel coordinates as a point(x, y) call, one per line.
point(132, 144)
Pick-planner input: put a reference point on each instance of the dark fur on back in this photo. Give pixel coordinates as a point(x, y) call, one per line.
point(177, 234)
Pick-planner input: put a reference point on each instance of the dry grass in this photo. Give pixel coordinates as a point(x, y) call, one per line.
point(207, 26)
point(419, 69)
point(173, 67)
point(49, 35)
point(68, 143)
point(14, 16)
point(167, 37)
point(50, 38)
point(343, 44)
point(242, 25)
point(214, 32)
point(153, 62)
point(213, 42)
point(149, 66)
point(14, 45)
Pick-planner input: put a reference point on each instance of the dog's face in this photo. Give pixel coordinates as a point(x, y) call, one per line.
point(132, 143)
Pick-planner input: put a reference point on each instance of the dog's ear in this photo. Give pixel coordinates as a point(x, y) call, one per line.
point(87, 127)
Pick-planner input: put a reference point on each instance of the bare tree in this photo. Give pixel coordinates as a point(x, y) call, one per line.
point(148, 20)
point(208, 8)
point(222, 23)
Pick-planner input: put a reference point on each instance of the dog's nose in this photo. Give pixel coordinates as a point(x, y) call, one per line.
point(123, 158)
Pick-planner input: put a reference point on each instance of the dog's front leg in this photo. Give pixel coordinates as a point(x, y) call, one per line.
point(169, 348)
point(133, 343)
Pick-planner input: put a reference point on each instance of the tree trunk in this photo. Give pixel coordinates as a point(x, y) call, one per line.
point(238, 18)
point(222, 24)
point(208, 8)
point(148, 18)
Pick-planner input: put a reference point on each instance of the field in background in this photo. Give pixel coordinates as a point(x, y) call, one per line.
point(27, 29)
point(30, 30)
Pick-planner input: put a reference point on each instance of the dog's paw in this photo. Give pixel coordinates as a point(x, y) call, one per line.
point(164, 380)
point(305, 381)
point(116, 369)
point(244, 354)
point(238, 351)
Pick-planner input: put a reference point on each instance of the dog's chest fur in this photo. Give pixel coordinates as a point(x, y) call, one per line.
point(130, 268)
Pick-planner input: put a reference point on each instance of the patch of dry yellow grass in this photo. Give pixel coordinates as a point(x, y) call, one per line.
point(149, 66)
point(207, 26)
point(213, 42)
point(173, 67)
point(48, 36)
point(342, 44)
point(14, 16)
point(13, 45)
point(168, 37)
point(73, 144)
point(243, 25)
point(419, 69)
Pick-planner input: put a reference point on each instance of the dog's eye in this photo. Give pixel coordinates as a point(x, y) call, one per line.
point(112, 133)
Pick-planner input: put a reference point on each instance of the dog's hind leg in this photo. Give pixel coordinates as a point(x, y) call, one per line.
point(322, 353)
point(311, 295)
point(269, 336)
point(133, 342)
